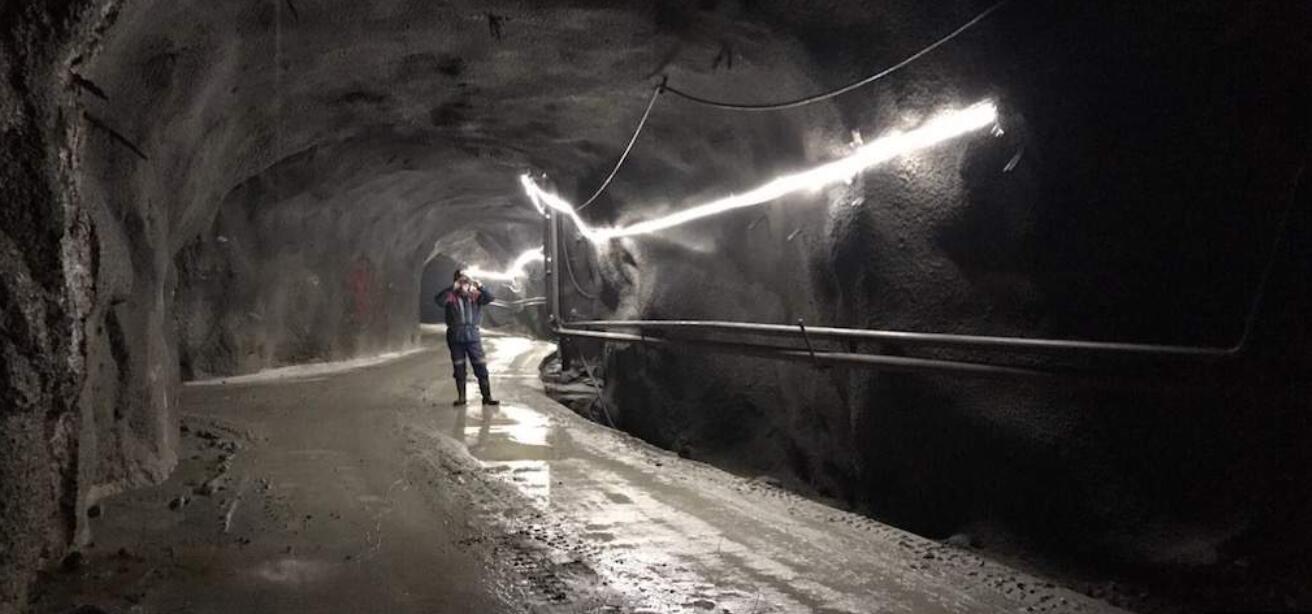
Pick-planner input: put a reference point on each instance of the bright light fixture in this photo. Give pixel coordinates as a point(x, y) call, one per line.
point(940, 128)
point(516, 270)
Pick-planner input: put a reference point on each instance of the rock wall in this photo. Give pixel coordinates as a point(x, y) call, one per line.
point(270, 285)
point(198, 188)
point(47, 286)
point(1135, 195)
point(221, 188)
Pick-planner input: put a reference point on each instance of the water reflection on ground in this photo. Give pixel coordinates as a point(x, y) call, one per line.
point(514, 442)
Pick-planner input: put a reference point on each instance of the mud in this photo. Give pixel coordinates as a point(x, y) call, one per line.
point(363, 489)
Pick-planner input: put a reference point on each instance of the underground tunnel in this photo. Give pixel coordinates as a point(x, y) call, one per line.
point(969, 306)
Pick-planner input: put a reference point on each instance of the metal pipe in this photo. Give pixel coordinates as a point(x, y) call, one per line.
point(551, 260)
point(980, 342)
point(520, 304)
point(930, 339)
point(882, 362)
point(556, 308)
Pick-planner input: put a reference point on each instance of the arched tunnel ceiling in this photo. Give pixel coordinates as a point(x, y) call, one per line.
point(261, 181)
point(358, 132)
point(278, 172)
point(426, 112)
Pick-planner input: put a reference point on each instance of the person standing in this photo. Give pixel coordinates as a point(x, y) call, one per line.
point(463, 303)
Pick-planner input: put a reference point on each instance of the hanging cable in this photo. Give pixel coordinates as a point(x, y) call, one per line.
point(942, 127)
point(595, 386)
point(792, 104)
point(1282, 230)
point(569, 268)
point(656, 92)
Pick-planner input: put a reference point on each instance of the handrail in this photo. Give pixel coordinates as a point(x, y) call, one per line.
point(983, 342)
point(520, 304)
point(890, 363)
point(894, 363)
point(977, 342)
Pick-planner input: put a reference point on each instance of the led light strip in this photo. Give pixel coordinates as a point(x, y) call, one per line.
point(516, 270)
point(940, 128)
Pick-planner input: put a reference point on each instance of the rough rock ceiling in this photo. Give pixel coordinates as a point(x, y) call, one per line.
point(421, 114)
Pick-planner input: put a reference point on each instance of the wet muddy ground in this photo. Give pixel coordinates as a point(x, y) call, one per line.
point(364, 490)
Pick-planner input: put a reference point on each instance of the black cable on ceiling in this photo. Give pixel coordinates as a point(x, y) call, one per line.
point(800, 102)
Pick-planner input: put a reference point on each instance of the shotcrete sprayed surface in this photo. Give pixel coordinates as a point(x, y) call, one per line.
point(367, 490)
point(225, 187)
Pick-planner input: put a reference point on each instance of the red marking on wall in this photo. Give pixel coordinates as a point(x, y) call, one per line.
point(361, 283)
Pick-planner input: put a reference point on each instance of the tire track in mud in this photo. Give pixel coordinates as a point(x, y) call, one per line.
point(988, 583)
point(535, 560)
point(620, 526)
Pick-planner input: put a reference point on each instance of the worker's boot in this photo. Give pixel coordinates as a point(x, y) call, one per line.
point(460, 393)
point(485, 388)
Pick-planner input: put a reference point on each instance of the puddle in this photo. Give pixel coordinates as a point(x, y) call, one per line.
point(673, 536)
point(292, 571)
point(516, 443)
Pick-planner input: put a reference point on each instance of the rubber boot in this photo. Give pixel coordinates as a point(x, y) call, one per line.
point(460, 393)
point(485, 388)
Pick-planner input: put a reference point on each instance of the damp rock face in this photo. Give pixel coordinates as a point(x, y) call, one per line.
point(195, 189)
point(46, 289)
point(1088, 217)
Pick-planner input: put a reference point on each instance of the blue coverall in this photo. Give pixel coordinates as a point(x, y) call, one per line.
point(463, 314)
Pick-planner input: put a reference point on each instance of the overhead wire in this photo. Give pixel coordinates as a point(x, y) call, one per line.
point(800, 102)
point(663, 86)
point(1282, 230)
point(656, 92)
point(943, 126)
point(569, 268)
point(600, 400)
point(642, 122)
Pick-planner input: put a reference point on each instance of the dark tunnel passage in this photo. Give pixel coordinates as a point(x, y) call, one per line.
point(202, 197)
